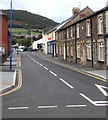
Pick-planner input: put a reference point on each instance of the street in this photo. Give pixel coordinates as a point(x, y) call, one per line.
point(52, 91)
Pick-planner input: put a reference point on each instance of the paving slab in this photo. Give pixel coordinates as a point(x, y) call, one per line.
point(7, 81)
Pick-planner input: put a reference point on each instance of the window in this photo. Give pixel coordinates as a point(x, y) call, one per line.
point(78, 51)
point(89, 55)
point(57, 49)
point(88, 27)
point(67, 32)
point(62, 35)
point(62, 50)
point(59, 36)
point(60, 53)
point(67, 49)
point(71, 31)
point(100, 25)
point(77, 30)
point(2, 50)
point(71, 50)
point(100, 52)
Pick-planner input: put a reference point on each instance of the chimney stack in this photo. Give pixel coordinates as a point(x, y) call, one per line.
point(75, 10)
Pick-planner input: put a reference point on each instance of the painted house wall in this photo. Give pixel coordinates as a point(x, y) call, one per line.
point(45, 43)
point(4, 35)
point(37, 42)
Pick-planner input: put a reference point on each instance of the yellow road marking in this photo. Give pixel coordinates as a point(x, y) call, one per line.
point(18, 86)
point(75, 69)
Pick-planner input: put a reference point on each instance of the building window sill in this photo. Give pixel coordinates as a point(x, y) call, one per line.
point(101, 61)
point(88, 36)
point(89, 59)
point(100, 34)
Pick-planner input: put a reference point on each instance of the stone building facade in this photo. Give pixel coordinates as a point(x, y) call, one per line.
point(82, 40)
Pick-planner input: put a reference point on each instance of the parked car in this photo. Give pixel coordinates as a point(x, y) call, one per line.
point(20, 50)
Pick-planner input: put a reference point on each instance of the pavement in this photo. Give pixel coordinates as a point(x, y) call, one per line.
point(7, 76)
point(93, 71)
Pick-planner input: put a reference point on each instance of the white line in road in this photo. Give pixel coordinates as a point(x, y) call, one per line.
point(53, 73)
point(18, 108)
point(66, 83)
point(101, 88)
point(91, 101)
point(98, 102)
point(69, 106)
point(37, 62)
point(47, 106)
point(46, 68)
point(41, 65)
point(32, 58)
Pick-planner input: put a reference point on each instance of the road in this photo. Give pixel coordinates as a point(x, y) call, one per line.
point(53, 91)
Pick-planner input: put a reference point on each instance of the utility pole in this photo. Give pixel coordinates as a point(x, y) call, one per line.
point(11, 35)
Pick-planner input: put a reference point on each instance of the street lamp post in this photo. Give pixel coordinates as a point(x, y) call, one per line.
point(11, 35)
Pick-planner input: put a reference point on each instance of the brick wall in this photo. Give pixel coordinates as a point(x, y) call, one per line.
point(4, 37)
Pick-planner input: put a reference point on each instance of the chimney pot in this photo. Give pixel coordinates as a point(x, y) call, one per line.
point(75, 10)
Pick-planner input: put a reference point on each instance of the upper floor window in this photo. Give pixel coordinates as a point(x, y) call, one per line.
point(88, 27)
point(67, 32)
point(62, 35)
point(59, 35)
point(100, 24)
point(71, 32)
point(77, 29)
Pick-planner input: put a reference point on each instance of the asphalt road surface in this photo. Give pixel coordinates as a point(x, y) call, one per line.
point(53, 91)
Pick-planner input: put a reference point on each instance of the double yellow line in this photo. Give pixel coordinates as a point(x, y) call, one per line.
point(17, 87)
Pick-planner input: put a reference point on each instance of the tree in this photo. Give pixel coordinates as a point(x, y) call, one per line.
point(39, 36)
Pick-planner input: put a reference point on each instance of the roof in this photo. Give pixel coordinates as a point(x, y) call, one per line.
point(95, 13)
point(1, 13)
point(88, 17)
point(71, 19)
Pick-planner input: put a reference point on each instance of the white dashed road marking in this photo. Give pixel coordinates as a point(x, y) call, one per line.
point(71, 106)
point(46, 68)
point(53, 73)
point(18, 108)
point(66, 83)
point(41, 65)
point(47, 106)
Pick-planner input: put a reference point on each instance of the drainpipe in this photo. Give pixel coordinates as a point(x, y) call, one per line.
point(92, 42)
point(65, 46)
point(75, 46)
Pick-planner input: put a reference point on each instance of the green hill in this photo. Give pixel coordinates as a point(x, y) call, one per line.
point(24, 19)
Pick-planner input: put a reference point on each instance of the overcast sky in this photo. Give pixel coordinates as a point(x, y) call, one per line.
point(58, 10)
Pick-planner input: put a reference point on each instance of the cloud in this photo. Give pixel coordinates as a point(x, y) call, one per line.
point(57, 10)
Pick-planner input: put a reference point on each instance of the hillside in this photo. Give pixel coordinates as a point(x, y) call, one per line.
point(24, 19)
